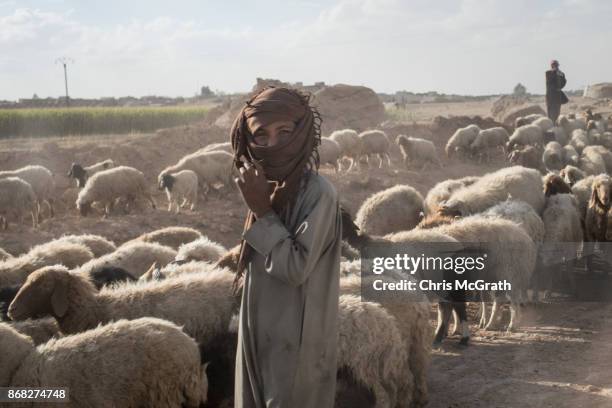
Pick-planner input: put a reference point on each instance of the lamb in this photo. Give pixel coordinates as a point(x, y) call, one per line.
point(493, 188)
point(543, 123)
point(218, 147)
point(461, 140)
point(571, 174)
point(166, 365)
point(134, 257)
point(181, 185)
point(417, 151)
point(553, 156)
point(554, 184)
point(201, 249)
point(394, 209)
point(350, 145)
point(42, 182)
point(211, 167)
point(591, 162)
point(108, 185)
point(570, 155)
point(579, 140)
point(443, 190)
point(329, 153)
point(81, 174)
point(16, 198)
point(375, 142)
point(528, 135)
point(200, 302)
point(15, 270)
point(528, 156)
point(487, 139)
point(172, 237)
point(596, 219)
point(4, 255)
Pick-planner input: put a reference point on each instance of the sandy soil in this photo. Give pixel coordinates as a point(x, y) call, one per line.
point(559, 358)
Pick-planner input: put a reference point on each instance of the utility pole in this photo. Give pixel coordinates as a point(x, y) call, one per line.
point(65, 61)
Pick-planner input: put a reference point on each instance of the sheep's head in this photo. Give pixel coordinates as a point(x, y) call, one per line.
point(571, 175)
point(77, 172)
point(84, 207)
point(44, 292)
point(452, 208)
point(554, 184)
point(600, 194)
point(401, 140)
point(167, 181)
point(591, 125)
point(514, 156)
point(230, 259)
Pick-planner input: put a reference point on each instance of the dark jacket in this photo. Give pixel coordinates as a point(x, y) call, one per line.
point(555, 81)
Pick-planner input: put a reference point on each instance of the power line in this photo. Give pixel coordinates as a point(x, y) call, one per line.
point(65, 61)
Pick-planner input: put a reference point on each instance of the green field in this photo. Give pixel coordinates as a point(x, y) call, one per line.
point(86, 121)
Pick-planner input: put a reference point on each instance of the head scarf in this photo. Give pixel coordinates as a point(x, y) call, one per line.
point(285, 163)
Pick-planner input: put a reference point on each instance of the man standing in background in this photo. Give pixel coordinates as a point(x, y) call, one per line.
point(555, 81)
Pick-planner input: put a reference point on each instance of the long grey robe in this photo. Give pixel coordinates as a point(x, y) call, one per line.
point(288, 331)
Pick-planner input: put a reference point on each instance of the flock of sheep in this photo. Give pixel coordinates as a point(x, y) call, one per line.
point(152, 320)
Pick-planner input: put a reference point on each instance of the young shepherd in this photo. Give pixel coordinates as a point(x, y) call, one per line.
point(519, 182)
point(145, 362)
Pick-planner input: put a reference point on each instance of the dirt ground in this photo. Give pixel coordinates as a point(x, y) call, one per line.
point(559, 358)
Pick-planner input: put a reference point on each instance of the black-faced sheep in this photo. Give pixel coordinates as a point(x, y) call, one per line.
point(81, 174)
point(182, 185)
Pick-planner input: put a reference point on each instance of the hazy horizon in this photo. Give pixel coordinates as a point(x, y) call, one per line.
point(466, 47)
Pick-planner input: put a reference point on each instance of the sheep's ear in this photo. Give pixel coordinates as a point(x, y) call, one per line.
point(59, 299)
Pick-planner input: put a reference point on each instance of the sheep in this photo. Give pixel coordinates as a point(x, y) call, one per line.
point(181, 185)
point(98, 245)
point(374, 142)
point(107, 185)
point(329, 153)
point(218, 147)
point(531, 135)
point(554, 184)
point(42, 182)
point(211, 167)
point(591, 162)
point(527, 120)
point(418, 151)
point(605, 154)
point(553, 156)
point(394, 209)
point(543, 123)
point(4, 255)
point(81, 174)
point(172, 237)
point(39, 330)
point(135, 257)
point(522, 214)
point(559, 134)
point(367, 334)
point(200, 302)
point(163, 370)
point(572, 174)
point(175, 268)
point(570, 155)
point(15, 270)
point(16, 198)
point(519, 182)
point(461, 140)
point(528, 156)
point(596, 218)
point(201, 249)
point(443, 190)
point(569, 124)
point(350, 145)
point(582, 190)
point(579, 140)
point(487, 139)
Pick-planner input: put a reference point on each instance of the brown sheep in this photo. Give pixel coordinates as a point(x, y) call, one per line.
point(554, 184)
point(596, 220)
point(528, 156)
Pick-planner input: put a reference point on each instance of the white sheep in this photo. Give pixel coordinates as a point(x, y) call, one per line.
point(350, 145)
point(489, 139)
point(98, 245)
point(16, 199)
point(134, 257)
point(329, 153)
point(570, 124)
point(579, 140)
point(570, 155)
point(519, 182)
point(531, 135)
point(81, 174)
point(375, 142)
point(102, 367)
point(443, 190)
point(108, 185)
point(591, 162)
point(527, 120)
point(522, 214)
point(395, 209)
point(418, 152)
point(42, 182)
point(553, 156)
point(182, 185)
point(172, 237)
point(582, 190)
point(560, 135)
point(605, 154)
point(461, 140)
point(572, 174)
point(211, 167)
point(201, 249)
point(543, 123)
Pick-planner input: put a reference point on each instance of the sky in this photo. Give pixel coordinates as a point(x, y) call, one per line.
point(172, 48)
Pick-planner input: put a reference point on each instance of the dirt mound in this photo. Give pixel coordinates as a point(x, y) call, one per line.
point(597, 91)
point(506, 103)
point(519, 111)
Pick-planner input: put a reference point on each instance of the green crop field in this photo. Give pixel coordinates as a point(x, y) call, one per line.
point(86, 121)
